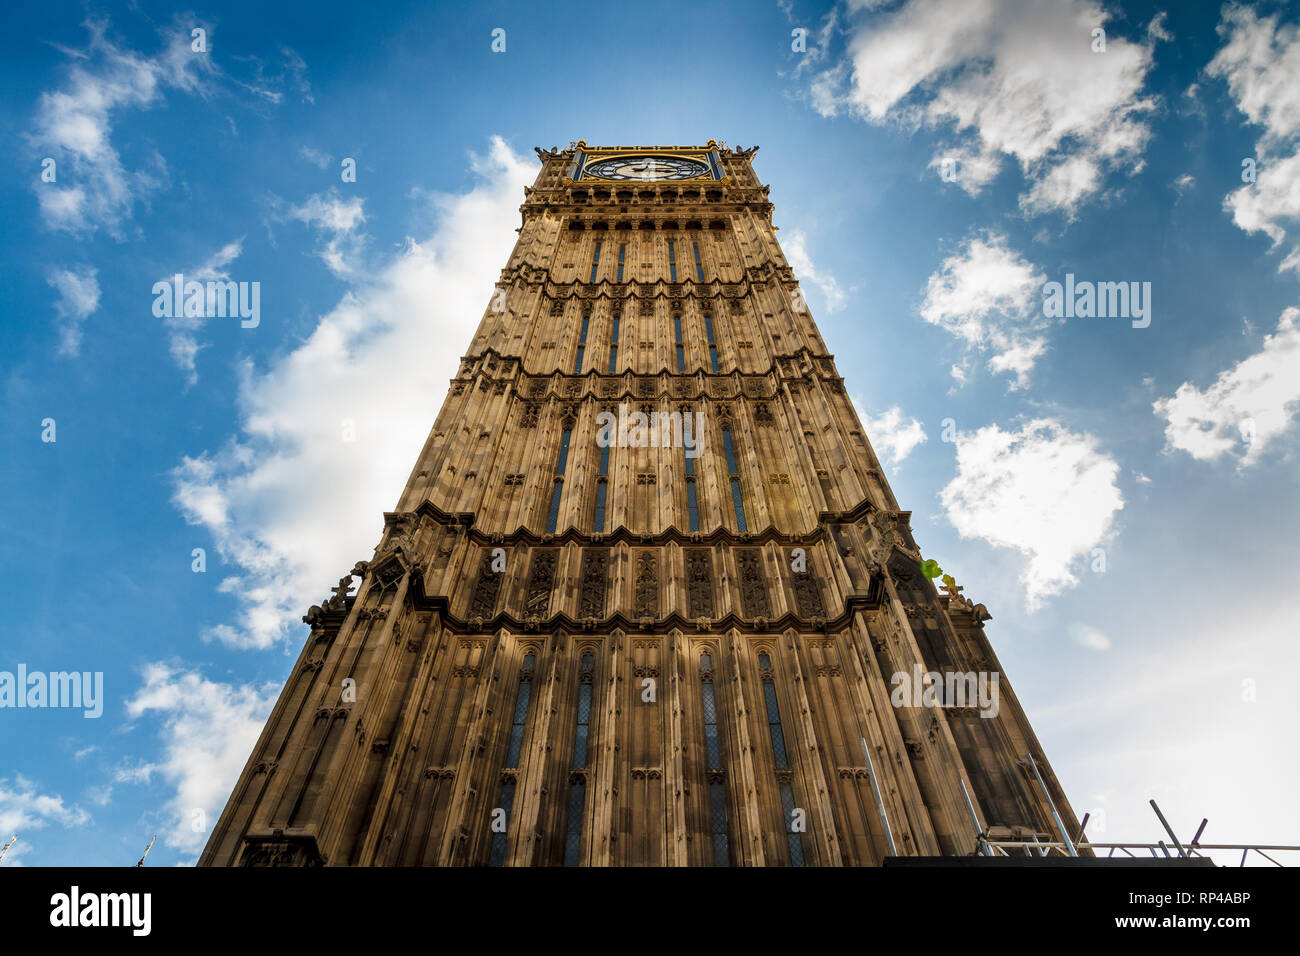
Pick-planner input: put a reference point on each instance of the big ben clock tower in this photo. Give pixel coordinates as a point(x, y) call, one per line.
point(647, 597)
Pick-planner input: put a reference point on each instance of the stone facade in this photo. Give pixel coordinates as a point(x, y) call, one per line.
point(563, 654)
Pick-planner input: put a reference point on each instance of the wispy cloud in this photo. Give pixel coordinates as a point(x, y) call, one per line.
point(207, 730)
point(796, 251)
point(990, 298)
point(315, 156)
point(337, 221)
point(182, 330)
point(24, 809)
point(1088, 636)
point(380, 360)
point(78, 291)
point(93, 188)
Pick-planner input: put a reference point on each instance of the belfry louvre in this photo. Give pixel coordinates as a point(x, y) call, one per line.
point(591, 646)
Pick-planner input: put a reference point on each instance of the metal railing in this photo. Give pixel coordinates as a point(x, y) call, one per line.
point(1070, 848)
point(1158, 850)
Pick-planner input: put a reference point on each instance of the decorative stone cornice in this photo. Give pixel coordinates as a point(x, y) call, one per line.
point(795, 368)
point(562, 621)
point(756, 278)
point(522, 536)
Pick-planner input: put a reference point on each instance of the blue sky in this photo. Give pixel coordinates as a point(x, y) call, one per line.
point(1025, 446)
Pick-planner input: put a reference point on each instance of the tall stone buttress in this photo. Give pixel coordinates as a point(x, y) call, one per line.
point(579, 645)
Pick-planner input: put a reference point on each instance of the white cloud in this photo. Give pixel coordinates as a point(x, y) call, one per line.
point(816, 42)
point(1042, 490)
point(1009, 78)
point(891, 437)
point(134, 773)
point(1065, 186)
point(1247, 407)
point(208, 730)
point(824, 89)
point(1261, 62)
point(969, 167)
point(1274, 199)
point(182, 330)
point(796, 251)
point(381, 358)
point(1156, 28)
point(1089, 637)
point(74, 126)
point(315, 156)
point(1291, 263)
point(990, 298)
point(1184, 182)
point(23, 809)
point(78, 297)
point(337, 221)
point(295, 73)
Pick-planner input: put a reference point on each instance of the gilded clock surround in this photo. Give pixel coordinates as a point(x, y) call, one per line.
point(651, 167)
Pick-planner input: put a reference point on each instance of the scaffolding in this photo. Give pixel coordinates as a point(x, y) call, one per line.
point(999, 841)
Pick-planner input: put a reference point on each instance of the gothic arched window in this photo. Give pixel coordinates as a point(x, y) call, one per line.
point(602, 490)
point(692, 492)
point(578, 773)
point(715, 771)
point(733, 475)
point(505, 802)
point(582, 342)
point(713, 345)
point(561, 463)
point(780, 759)
point(613, 346)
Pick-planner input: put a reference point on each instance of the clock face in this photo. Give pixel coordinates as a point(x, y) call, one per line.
point(646, 169)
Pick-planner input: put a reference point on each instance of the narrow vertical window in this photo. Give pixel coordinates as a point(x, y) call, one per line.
point(714, 769)
point(713, 346)
point(824, 479)
point(677, 339)
point(737, 499)
point(582, 343)
point(780, 759)
point(692, 501)
point(595, 261)
point(519, 723)
point(699, 268)
point(672, 260)
point(521, 712)
point(561, 463)
point(602, 486)
point(613, 347)
point(578, 773)
point(622, 251)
